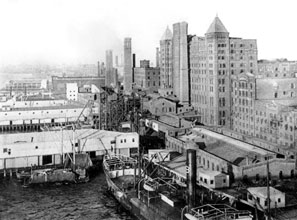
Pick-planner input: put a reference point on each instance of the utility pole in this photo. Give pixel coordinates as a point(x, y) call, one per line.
point(191, 177)
point(268, 191)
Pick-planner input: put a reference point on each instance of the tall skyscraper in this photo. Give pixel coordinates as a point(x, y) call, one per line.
point(110, 76)
point(214, 60)
point(157, 57)
point(128, 64)
point(166, 59)
point(181, 86)
point(116, 61)
point(99, 68)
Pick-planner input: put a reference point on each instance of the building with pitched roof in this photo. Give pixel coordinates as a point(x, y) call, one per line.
point(214, 60)
point(238, 159)
point(203, 67)
point(166, 59)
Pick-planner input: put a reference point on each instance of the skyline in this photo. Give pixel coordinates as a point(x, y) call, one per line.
point(81, 31)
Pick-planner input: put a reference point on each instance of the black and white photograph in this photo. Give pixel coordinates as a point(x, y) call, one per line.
point(148, 110)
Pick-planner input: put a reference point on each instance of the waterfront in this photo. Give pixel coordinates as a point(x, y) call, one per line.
point(76, 201)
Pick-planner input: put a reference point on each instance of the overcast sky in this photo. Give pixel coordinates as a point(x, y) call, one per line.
point(79, 31)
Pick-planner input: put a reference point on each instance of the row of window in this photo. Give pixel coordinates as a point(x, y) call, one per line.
point(240, 45)
point(124, 140)
point(41, 112)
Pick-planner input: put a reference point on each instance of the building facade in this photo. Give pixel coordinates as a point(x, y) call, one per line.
point(265, 108)
point(146, 77)
point(180, 73)
point(128, 79)
point(279, 68)
point(166, 59)
point(214, 60)
point(243, 103)
point(202, 68)
point(109, 77)
point(59, 84)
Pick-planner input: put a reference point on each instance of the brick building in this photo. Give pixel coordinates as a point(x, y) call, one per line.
point(265, 108)
point(243, 103)
point(128, 77)
point(146, 77)
point(59, 83)
point(279, 68)
point(202, 68)
point(214, 60)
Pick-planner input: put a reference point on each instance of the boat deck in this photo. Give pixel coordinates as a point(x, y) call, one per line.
point(126, 183)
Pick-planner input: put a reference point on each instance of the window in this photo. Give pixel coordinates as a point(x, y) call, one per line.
point(133, 140)
point(211, 182)
point(47, 159)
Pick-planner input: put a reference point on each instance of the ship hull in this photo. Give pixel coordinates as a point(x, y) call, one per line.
point(120, 196)
point(135, 206)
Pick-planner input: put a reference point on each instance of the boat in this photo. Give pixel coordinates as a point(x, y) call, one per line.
point(120, 172)
point(158, 198)
point(143, 197)
point(73, 173)
point(218, 212)
point(22, 175)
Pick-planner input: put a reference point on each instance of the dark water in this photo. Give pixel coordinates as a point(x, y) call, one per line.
point(74, 201)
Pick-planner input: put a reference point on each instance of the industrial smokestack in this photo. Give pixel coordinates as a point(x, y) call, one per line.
point(133, 66)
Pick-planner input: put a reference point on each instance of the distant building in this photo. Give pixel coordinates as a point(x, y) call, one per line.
point(116, 61)
point(157, 57)
point(146, 77)
point(238, 159)
point(109, 78)
point(165, 92)
point(71, 91)
point(243, 97)
point(128, 80)
point(161, 105)
point(44, 148)
point(33, 115)
point(180, 73)
point(201, 68)
point(25, 86)
point(265, 108)
point(280, 68)
point(59, 83)
point(214, 60)
point(213, 179)
point(166, 59)
point(259, 195)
